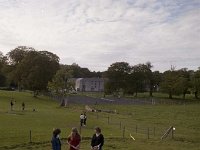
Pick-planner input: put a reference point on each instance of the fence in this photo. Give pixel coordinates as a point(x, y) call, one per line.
point(118, 101)
point(127, 129)
point(119, 129)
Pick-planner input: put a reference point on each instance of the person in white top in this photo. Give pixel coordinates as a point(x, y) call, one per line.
point(82, 119)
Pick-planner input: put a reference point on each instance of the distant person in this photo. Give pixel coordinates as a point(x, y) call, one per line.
point(11, 105)
point(81, 120)
point(85, 119)
point(23, 106)
point(55, 141)
point(74, 140)
point(97, 140)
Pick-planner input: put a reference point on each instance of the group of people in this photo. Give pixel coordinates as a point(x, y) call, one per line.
point(12, 102)
point(74, 140)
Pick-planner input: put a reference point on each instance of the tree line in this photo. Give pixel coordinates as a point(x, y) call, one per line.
point(128, 79)
point(30, 69)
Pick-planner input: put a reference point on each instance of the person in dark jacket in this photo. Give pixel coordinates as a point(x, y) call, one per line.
point(55, 141)
point(97, 140)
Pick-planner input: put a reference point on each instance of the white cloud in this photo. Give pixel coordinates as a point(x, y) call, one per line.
point(96, 33)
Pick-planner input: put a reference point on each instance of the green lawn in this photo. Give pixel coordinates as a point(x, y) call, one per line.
point(15, 125)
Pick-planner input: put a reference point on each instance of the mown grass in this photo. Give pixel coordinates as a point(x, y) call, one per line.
point(16, 125)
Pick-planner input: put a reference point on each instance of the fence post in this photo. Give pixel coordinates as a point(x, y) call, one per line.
point(30, 137)
point(136, 129)
point(80, 129)
point(124, 132)
point(173, 132)
point(148, 133)
point(108, 119)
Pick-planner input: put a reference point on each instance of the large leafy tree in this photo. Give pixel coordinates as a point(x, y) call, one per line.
point(149, 77)
point(117, 74)
point(169, 81)
point(15, 57)
point(138, 78)
point(31, 69)
point(79, 72)
point(3, 64)
point(38, 67)
point(196, 83)
point(61, 83)
point(183, 82)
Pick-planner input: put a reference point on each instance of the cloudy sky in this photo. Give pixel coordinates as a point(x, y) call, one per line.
point(97, 33)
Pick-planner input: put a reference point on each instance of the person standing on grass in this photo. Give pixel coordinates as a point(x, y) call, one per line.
point(11, 105)
point(74, 140)
point(85, 119)
point(81, 119)
point(97, 140)
point(23, 106)
point(55, 141)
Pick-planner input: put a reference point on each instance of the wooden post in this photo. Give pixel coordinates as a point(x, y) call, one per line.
point(172, 132)
point(80, 129)
point(30, 137)
point(124, 132)
point(148, 133)
point(136, 128)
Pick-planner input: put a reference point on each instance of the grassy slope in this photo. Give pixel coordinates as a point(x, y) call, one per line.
point(15, 126)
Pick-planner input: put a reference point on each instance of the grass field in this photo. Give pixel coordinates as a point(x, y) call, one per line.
point(15, 125)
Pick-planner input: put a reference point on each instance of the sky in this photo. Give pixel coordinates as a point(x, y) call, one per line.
point(97, 33)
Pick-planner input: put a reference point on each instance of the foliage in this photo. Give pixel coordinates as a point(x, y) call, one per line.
point(196, 83)
point(117, 74)
point(168, 84)
point(32, 69)
point(61, 83)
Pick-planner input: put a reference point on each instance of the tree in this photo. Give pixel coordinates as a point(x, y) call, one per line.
point(117, 74)
point(15, 57)
point(79, 72)
point(169, 81)
point(157, 78)
point(38, 67)
point(61, 83)
point(182, 84)
point(196, 83)
point(149, 77)
point(139, 78)
point(3, 63)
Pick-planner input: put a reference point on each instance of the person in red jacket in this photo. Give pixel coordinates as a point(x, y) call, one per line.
point(74, 140)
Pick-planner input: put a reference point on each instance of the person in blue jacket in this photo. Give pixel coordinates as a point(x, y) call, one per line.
point(55, 141)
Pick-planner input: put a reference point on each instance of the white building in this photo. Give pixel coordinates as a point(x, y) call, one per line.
point(89, 84)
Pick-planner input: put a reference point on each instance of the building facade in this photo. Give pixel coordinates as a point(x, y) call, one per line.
point(89, 84)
